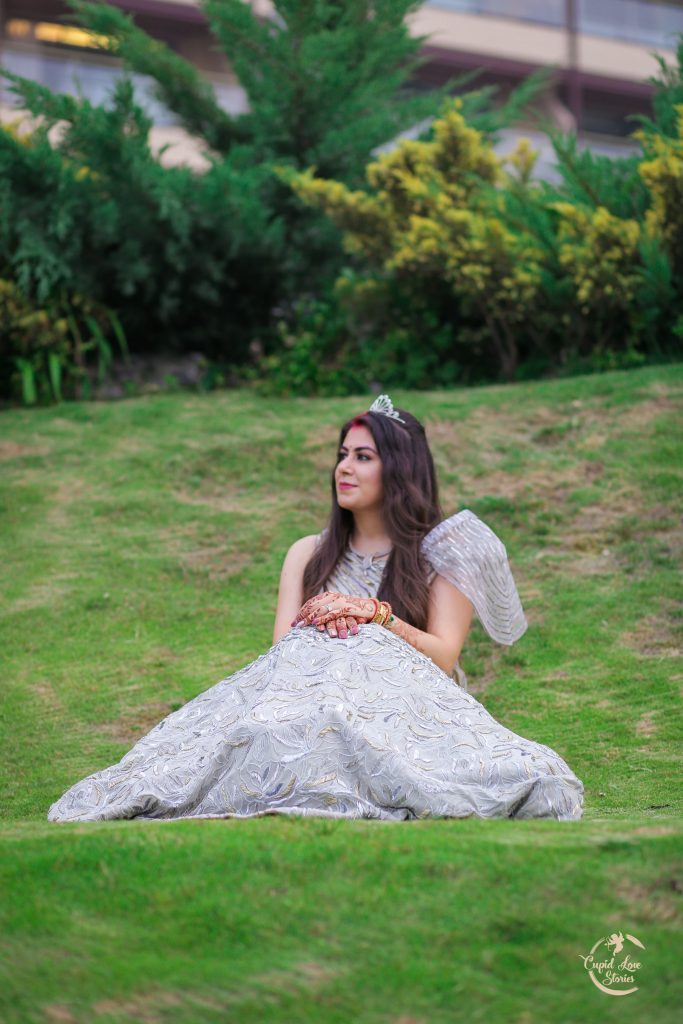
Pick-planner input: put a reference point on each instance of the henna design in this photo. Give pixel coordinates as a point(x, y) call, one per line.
point(325, 598)
point(357, 606)
point(411, 634)
point(347, 618)
point(352, 612)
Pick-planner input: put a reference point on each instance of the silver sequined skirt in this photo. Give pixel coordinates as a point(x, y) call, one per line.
point(365, 727)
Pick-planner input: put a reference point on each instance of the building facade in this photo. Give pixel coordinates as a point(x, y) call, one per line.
point(601, 53)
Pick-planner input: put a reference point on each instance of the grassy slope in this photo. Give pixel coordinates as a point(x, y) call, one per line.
point(141, 549)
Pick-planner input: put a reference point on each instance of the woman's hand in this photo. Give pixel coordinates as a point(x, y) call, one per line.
point(345, 615)
point(341, 627)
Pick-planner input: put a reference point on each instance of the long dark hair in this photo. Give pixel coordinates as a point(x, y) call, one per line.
point(411, 509)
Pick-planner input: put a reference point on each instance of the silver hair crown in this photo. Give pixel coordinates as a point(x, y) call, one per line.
point(384, 405)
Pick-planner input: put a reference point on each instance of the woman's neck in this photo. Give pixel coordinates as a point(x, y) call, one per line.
point(368, 535)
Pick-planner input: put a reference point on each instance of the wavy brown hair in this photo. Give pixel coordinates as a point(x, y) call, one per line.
point(411, 509)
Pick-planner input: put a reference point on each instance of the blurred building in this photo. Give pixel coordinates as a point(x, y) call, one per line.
point(601, 52)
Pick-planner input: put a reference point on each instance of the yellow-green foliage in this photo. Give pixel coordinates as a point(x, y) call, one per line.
point(662, 173)
point(600, 254)
point(32, 344)
point(434, 211)
point(44, 349)
point(25, 329)
point(523, 158)
point(365, 221)
point(22, 131)
point(13, 129)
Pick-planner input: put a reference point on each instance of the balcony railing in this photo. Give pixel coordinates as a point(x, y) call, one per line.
point(634, 21)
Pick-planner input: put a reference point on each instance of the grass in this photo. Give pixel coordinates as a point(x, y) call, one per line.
point(141, 548)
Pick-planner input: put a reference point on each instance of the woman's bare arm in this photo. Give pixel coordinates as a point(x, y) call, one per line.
point(291, 592)
point(448, 623)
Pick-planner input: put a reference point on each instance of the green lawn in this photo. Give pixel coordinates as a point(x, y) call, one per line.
point(141, 548)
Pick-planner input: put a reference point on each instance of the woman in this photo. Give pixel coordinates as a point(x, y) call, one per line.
point(354, 711)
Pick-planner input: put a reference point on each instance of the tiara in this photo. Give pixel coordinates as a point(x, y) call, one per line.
point(384, 405)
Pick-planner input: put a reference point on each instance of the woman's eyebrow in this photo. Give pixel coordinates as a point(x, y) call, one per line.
point(359, 448)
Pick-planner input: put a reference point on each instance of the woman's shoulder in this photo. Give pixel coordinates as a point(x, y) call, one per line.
point(301, 550)
point(298, 555)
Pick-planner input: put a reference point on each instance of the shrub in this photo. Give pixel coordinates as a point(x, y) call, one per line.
point(46, 353)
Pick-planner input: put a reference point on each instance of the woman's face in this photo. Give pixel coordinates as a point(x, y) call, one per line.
point(359, 464)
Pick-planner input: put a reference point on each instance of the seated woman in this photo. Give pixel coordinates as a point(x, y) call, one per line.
point(359, 709)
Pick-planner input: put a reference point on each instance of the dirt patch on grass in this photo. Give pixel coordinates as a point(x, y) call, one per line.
point(656, 635)
point(46, 695)
point(14, 450)
point(151, 1007)
point(67, 492)
point(654, 830)
point(217, 563)
point(249, 503)
point(474, 448)
point(148, 1007)
point(543, 486)
point(484, 428)
point(56, 1013)
point(144, 1007)
point(592, 525)
point(640, 415)
point(645, 726)
point(223, 501)
point(565, 698)
point(308, 974)
point(320, 445)
point(656, 902)
point(592, 536)
point(46, 592)
point(203, 548)
point(491, 435)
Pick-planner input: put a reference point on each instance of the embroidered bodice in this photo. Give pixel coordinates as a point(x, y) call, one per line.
point(357, 574)
point(465, 551)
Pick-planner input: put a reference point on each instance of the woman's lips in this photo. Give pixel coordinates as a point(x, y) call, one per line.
point(346, 487)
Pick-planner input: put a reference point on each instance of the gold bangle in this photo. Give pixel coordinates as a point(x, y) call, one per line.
point(382, 616)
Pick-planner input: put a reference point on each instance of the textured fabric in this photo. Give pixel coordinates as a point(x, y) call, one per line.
point(361, 575)
point(365, 727)
point(468, 553)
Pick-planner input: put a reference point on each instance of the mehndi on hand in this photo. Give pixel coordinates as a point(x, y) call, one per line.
point(344, 614)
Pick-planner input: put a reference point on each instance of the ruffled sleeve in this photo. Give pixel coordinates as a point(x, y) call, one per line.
point(467, 552)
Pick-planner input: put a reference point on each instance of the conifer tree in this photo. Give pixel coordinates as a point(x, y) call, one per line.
point(326, 82)
point(208, 259)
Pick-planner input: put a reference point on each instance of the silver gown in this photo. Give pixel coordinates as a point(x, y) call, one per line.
point(363, 727)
